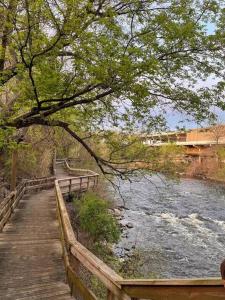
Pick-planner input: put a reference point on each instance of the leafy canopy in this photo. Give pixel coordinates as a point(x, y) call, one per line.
point(92, 65)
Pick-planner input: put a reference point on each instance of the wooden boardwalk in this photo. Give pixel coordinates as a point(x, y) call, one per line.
point(31, 265)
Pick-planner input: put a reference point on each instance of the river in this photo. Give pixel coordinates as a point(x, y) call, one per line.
point(179, 226)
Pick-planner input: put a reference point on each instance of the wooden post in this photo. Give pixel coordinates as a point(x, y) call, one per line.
point(94, 183)
point(14, 169)
point(199, 156)
point(110, 295)
point(54, 162)
point(70, 186)
point(75, 265)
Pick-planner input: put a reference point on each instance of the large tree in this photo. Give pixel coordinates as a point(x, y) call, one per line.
point(89, 65)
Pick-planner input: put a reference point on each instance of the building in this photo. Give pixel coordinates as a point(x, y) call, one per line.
point(202, 136)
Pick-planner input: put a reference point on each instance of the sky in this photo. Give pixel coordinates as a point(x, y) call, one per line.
point(174, 119)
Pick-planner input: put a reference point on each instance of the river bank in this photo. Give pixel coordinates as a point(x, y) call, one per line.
point(203, 178)
point(207, 179)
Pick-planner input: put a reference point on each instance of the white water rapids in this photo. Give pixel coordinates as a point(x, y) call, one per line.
point(179, 226)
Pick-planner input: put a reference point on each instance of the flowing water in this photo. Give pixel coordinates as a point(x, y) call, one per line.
point(178, 226)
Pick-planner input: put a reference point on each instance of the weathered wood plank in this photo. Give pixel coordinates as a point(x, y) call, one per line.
point(31, 265)
point(169, 282)
point(77, 286)
point(175, 292)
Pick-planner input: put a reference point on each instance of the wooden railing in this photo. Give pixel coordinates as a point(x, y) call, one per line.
point(9, 203)
point(76, 256)
point(82, 179)
point(75, 171)
point(174, 289)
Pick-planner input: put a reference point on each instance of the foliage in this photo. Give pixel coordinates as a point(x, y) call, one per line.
point(6, 140)
point(96, 220)
point(132, 267)
point(218, 131)
point(128, 267)
point(34, 153)
point(170, 151)
point(87, 66)
point(169, 159)
point(220, 174)
point(93, 217)
point(105, 253)
point(220, 151)
point(102, 230)
point(220, 166)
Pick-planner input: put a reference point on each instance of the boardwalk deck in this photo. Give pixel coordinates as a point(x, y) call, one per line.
point(31, 265)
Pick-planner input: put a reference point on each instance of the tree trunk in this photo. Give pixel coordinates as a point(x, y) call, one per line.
point(14, 170)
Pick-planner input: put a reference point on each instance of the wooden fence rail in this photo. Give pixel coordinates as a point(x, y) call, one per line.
point(73, 250)
point(119, 288)
point(174, 289)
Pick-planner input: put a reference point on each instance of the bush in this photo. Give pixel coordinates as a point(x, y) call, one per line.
point(96, 220)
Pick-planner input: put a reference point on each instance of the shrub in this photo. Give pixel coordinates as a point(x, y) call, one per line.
point(96, 220)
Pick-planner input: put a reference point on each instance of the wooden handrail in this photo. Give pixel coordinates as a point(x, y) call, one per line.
point(169, 282)
point(79, 182)
point(86, 171)
point(174, 289)
point(119, 288)
point(76, 250)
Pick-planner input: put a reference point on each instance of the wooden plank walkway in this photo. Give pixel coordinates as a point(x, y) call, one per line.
point(31, 265)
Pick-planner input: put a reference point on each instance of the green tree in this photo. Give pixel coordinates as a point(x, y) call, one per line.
point(171, 159)
point(87, 65)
